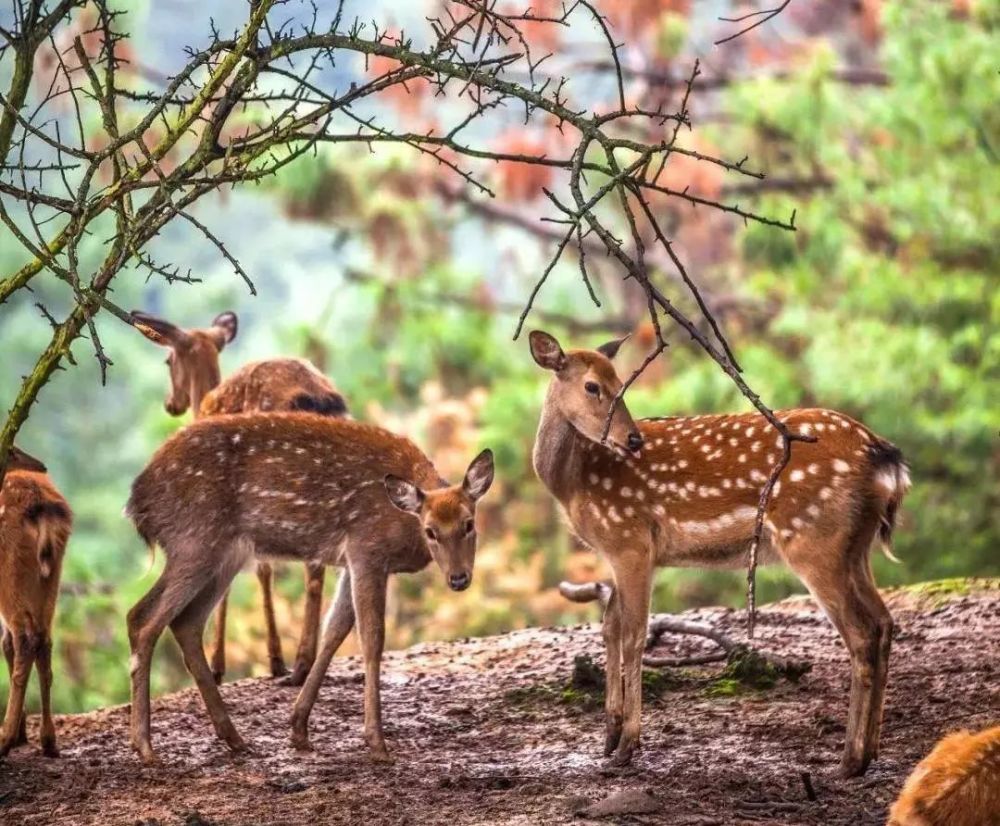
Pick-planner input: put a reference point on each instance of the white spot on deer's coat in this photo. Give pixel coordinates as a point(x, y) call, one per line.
point(741, 458)
point(741, 483)
point(757, 476)
point(813, 511)
point(606, 483)
point(825, 493)
point(629, 511)
point(613, 515)
point(755, 447)
point(797, 523)
point(733, 441)
point(814, 469)
point(840, 466)
point(658, 442)
point(796, 476)
point(659, 510)
point(776, 489)
point(640, 494)
point(727, 483)
point(594, 478)
point(750, 431)
point(682, 464)
point(236, 438)
point(820, 427)
point(626, 492)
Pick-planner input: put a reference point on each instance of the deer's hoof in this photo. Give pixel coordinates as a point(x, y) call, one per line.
point(147, 755)
point(612, 736)
point(300, 741)
point(298, 676)
point(49, 748)
point(623, 754)
point(381, 755)
point(278, 667)
point(217, 676)
point(852, 766)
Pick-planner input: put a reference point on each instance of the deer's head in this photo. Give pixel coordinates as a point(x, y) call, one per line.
point(448, 517)
point(583, 387)
point(193, 358)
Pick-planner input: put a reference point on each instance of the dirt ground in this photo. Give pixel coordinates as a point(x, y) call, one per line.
point(485, 732)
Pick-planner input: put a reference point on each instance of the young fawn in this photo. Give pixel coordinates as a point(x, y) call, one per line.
point(35, 524)
point(274, 384)
point(957, 784)
point(684, 491)
point(295, 486)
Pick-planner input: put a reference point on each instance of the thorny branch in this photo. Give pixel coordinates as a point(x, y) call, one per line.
point(103, 149)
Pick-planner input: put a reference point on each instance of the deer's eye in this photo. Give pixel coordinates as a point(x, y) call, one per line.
point(431, 534)
point(470, 526)
point(593, 388)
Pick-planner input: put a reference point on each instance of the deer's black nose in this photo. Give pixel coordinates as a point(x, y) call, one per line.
point(635, 441)
point(459, 582)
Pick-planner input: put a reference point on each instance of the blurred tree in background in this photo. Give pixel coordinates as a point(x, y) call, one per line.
point(876, 121)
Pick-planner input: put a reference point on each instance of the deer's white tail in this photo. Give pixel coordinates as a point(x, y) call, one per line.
point(892, 477)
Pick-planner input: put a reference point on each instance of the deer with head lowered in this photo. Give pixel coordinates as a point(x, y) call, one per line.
point(272, 384)
point(684, 491)
point(35, 524)
point(293, 486)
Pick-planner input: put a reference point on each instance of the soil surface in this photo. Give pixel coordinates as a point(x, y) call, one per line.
point(491, 731)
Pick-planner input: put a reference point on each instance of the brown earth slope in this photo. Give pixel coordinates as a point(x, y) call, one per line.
point(487, 731)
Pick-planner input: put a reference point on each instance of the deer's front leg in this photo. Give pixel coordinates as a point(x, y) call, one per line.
point(633, 574)
point(611, 630)
point(369, 608)
point(339, 622)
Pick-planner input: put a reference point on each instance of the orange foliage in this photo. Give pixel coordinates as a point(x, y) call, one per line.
point(635, 17)
point(521, 181)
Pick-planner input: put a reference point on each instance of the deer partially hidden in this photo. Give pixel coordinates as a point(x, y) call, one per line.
point(957, 784)
point(683, 491)
point(273, 384)
point(35, 524)
point(326, 491)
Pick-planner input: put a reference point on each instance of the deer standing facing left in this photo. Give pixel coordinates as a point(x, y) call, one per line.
point(683, 491)
point(295, 486)
point(35, 524)
point(272, 384)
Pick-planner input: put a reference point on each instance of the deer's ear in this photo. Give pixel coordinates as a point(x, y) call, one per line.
point(158, 330)
point(403, 494)
point(610, 348)
point(224, 328)
point(479, 476)
point(545, 350)
point(22, 460)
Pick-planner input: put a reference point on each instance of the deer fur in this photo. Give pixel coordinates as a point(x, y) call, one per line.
point(685, 494)
point(957, 784)
point(273, 384)
point(35, 524)
point(294, 486)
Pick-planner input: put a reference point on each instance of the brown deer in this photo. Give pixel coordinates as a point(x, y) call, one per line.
point(683, 491)
point(273, 384)
point(35, 524)
point(295, 486)
point(957, 784)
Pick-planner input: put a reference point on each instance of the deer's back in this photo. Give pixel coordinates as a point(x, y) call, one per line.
point(295, 485)
point(957, 784)
point(35, 524)
point(273, 385)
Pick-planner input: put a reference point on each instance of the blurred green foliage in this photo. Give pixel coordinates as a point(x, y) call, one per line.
point(886, 306)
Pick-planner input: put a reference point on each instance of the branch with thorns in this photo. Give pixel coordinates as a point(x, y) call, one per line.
point(243, 108)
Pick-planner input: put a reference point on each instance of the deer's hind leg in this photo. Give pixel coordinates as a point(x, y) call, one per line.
point(24, 657)
point(265, 576)
point(309, 641)
point(190, 565)
point(8, 653)
point(841, 582)
point(219, 648)
point(188, 628)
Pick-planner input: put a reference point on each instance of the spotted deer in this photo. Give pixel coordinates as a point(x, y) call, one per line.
point(683, 491)
point(957, 784)
point(327, 491)
point(273, 384)
point(35, 524)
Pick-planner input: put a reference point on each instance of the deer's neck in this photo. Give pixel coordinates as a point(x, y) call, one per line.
point(558, 453)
